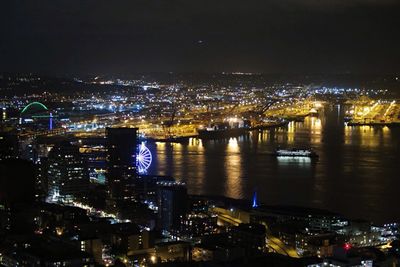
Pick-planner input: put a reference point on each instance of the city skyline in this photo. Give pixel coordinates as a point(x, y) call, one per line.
point(170, 133)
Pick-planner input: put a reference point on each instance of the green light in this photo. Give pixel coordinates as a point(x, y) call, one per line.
point(44, 116)
point(34, 103)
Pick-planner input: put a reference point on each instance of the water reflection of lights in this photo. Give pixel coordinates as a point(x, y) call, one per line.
point(291, 132)
point(316, 123)
point(160, 144)
point(291, 127)
point(316, 126)
point(233, 169)
point(316, 130)
point(386, 130)
point(367, 136)
point(233, 145)
point(176, 145)
point(196, 149)
point(195, 142)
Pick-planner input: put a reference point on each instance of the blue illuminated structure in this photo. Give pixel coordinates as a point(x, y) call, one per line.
point(255, 200)
point(143, 158)
point(51, 121)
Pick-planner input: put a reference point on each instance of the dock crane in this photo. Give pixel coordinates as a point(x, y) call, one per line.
point(169, 123)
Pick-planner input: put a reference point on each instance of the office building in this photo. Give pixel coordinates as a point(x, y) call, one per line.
point(172, 205)
point(67, 174)
point(121, 163)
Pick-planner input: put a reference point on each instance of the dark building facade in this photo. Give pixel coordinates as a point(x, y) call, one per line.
point(121, 163)
point(9, 147)
point(172, 205)
point(17, 194)
point(249, 236)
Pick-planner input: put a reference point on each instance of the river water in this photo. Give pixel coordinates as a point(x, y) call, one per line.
point(356, 174)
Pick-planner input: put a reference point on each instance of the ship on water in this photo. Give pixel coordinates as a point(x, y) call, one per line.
point(232, 127)
point(294, 152)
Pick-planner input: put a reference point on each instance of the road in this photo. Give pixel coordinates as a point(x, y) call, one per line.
point(279, 247)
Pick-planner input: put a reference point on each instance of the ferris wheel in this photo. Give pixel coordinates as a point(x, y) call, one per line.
point(143, 158)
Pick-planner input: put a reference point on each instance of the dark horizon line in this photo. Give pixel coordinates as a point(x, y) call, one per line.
point(238, 73)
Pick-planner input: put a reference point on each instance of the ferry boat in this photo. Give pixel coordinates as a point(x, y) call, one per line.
point(295, 153)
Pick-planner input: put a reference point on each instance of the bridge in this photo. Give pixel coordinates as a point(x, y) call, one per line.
point(37, 111)
point(33, 104)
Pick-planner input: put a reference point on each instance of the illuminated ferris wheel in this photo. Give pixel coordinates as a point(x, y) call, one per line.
point(143, 158)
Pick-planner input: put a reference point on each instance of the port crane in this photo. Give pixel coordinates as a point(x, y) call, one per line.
point(169, 123)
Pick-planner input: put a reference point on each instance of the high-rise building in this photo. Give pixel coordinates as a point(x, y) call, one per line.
point(17, 195)
point(28, 150)
point(17, 182)
point(68, 176)
point(172, 205)
point(9, 147)
point(121, 163)
point(42, 182)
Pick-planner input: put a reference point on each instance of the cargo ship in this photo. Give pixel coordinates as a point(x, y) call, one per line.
point(294, 152)
point(230, 128)
point(270, 124)
point(221, 133)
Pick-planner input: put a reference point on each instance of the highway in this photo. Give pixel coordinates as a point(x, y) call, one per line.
point(279, 247)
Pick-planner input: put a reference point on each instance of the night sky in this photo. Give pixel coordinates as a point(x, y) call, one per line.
point(268, 36)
